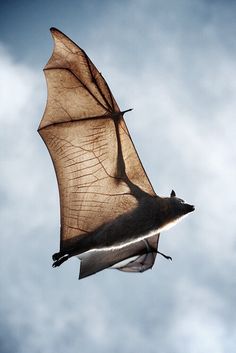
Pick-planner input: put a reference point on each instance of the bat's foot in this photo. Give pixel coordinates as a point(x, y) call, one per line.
point(56, 256)
point(165, 256)
point(60, 261)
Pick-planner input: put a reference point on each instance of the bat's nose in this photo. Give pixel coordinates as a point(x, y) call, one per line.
point(189, 208)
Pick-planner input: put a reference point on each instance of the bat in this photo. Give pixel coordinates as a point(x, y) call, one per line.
point(109, 210)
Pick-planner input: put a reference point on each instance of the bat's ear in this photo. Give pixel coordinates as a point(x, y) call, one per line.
point(172, 194)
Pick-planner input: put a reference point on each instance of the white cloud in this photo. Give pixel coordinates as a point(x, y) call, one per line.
point(197, 323)
point(21, 159)
point(183, 91)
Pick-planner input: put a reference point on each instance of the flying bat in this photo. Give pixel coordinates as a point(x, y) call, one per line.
point(109, 209)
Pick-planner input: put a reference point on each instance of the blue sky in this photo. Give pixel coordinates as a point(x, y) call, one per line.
point(174, 63)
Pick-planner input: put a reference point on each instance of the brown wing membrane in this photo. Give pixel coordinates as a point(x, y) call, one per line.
point(98, 170)
point(84, 155)
point(76, 90)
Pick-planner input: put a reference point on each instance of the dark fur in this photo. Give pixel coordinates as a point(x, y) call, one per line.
point(152, 214)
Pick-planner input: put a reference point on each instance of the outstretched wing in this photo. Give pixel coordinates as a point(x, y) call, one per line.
point(98, 170)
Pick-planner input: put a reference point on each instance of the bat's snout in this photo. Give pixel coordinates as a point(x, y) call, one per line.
point(191, 208)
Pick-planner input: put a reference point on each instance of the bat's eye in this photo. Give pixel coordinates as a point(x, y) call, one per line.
point(180, 200)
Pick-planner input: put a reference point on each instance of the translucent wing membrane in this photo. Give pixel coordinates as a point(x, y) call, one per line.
point(76, 89)
point(146, 256)
point(85, 160)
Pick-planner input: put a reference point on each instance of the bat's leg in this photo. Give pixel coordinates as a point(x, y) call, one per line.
point(165, 256)
point(149, 248)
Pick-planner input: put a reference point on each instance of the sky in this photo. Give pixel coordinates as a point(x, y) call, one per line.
point(174, 63)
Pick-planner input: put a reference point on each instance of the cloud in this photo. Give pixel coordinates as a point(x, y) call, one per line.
point(198, 327)
point(182, 89)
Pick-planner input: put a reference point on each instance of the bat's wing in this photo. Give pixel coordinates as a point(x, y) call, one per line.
point(99, 173)
point(146, 258)
point(141, 264)
point(144, 252)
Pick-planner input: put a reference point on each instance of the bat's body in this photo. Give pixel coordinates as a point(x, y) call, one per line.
point(153, 215)
point(109, 210)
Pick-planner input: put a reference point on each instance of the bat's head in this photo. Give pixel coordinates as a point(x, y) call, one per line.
point(179, 206)
point(174, 210)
